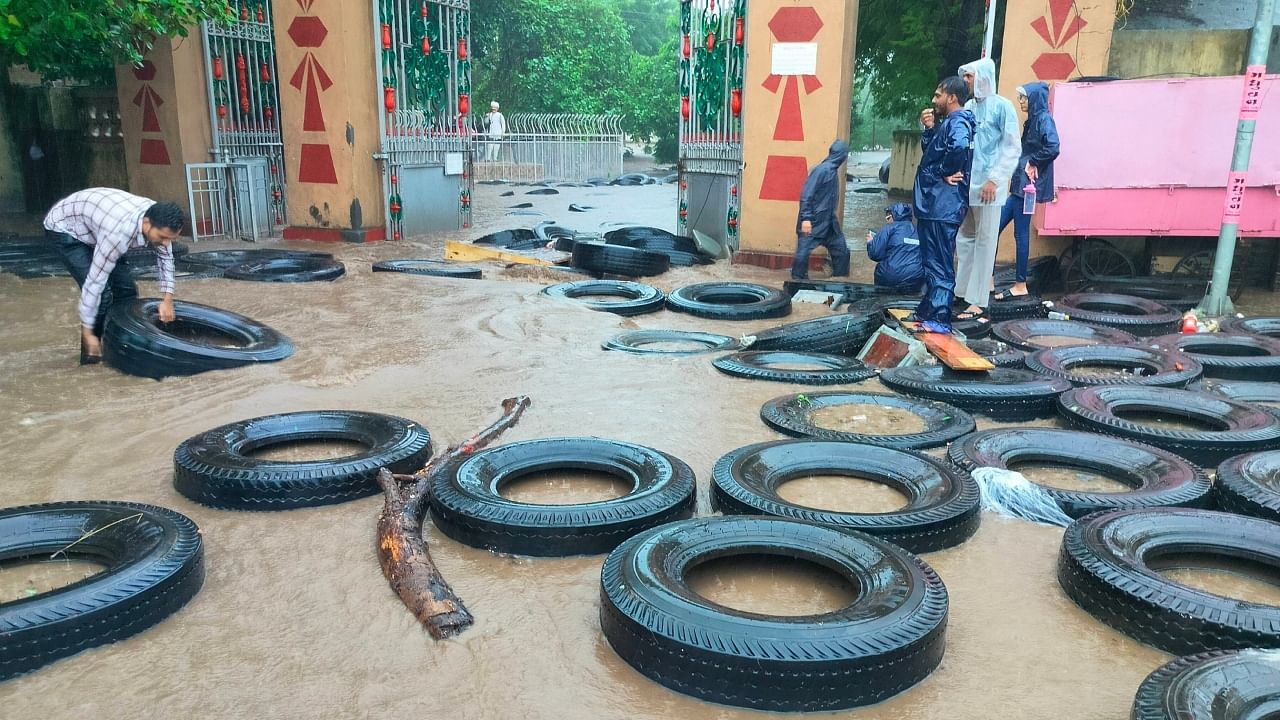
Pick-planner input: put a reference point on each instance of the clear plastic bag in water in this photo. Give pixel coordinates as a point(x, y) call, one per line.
point(1009, 493)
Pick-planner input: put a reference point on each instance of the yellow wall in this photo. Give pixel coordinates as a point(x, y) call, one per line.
point(1144, 53)
point(768, 226)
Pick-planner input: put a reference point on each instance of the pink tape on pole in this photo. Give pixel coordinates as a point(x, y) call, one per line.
point(1236, 185)
point(1251, 104)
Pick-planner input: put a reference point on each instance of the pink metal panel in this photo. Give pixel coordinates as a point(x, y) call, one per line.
point(1151, 157)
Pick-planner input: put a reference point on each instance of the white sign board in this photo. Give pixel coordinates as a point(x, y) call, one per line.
point(795, 59)
point(453, 163)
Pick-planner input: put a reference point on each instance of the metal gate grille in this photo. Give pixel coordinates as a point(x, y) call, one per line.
point(549, 146)
point(712, 63)
point(244, 100)
point(425, 69)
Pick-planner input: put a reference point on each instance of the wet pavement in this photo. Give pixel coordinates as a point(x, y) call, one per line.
point(296, 620)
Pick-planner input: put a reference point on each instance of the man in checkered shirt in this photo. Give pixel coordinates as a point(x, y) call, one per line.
point(94, 230)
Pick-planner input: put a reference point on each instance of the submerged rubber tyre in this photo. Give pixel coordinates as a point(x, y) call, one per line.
point(794, 415)
point(851, 291)
point(1158, 478)
point(1022, 334)
point(287, 270)
point(182, 270)
point(942, 509)
point(1250, 485)
point(841, 334)
point(229, 258)
point(618, 260)
point(637, 298)
point(890, 638)
point(635, 342)
point(1158, 368)
point(134, 342)
point(998, 353)
point(1268, 327)
point(1246, 428)
point(1260, 393)
point(1220, 685)
point(1229, 357)
point(651, 239)
point(1003, 394)
point(154, 560)
point(1142, 317)
point(828, 369)
point(430, 268)
point(1105, 567)
point(1179, 296)
point(216, 467)
point(1019, 308)
point(466, 504)
point(730, 301)
point(146, 253)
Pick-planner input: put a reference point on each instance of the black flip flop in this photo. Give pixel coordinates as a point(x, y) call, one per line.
point(1005, 296)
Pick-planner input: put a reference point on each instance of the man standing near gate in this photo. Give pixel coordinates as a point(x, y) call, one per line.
point(496, 125)
point(942, 198)
point(996, 150)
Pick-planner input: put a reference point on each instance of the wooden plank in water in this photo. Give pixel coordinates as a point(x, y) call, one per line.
point(953, 353)
point(468, 252)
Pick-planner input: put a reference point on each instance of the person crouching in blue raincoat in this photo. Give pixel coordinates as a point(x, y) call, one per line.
point(896, 250)
point(942, 197)
point(817, 223)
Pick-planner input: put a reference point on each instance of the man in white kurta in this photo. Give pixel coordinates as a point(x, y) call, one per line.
point(996, 150)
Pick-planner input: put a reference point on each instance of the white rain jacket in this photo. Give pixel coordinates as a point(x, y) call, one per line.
point(997, 145)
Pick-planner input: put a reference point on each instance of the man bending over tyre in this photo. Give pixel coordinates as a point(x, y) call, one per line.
point(94, 230)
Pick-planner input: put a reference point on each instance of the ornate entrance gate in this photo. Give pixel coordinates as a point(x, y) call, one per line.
point(712, 63)
point(425, 69)
point(243, 191)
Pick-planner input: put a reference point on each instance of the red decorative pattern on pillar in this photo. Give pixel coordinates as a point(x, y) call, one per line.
point(784, 178)
point(793, 25)
point(152, 151)
point(316, 164)
point(1059, 27)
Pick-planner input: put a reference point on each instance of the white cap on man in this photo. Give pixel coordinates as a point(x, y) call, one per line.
point(493, 105)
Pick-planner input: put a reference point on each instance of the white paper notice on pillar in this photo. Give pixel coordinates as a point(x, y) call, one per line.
point(453, 163)
point(795, 59)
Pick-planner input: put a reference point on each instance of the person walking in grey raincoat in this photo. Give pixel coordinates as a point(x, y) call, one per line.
point(817, 223)
point(995, 159)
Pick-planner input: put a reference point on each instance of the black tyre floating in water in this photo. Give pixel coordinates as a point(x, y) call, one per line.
point(229, 258)
point(217, 467)
point(1109, 567)
point(1262, 393)
point(466, 504)
point(135, 342)
point(1031, 335)
point(519, 239)
point(1263, 326)
point(1004, 394)
point(1229, 357)
point(1226, 685)
point(617, 297)
point(841, 334)
point(998, 353)
point(638, 342)
point(819, 369)
point(430, 268)
point(1125, 312)
point(1128, 365)
point(148, 253)
point(182, 270)
point(730, 301)
point(154, 564)
point(287, 270)
point(797, 415)
point(942, 508)
point(1250, 485)
point(887, 640)
point(1158, 478)
point(1238, 428)
point(618, 260)
point(1179, 296)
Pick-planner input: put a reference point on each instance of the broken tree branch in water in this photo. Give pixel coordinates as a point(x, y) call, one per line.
point(404, 556)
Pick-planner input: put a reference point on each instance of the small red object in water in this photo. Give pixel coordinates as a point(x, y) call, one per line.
point(386, 36)
point(1188, 323)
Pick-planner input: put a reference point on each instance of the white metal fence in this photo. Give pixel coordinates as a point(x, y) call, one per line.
point(229, 200)
point(568, 148)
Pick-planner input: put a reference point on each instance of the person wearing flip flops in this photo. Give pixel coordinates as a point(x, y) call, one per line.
point(995, 158)
point(941, 198)
point(1040, 147)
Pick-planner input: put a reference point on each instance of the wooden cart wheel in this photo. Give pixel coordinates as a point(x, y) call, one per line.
point(1094, 261)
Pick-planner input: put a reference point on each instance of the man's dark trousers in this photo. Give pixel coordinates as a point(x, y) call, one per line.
point(836, 247)
point(78, 258)
point(937, 253)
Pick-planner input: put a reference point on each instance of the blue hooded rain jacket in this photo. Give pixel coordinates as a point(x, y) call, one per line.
point(896, 249)
point(818, 200)
point(1040, 145)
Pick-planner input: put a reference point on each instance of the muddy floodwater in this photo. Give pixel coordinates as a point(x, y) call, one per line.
point(295, 619)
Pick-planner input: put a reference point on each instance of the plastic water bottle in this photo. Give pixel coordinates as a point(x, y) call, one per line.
point(1189, 323)
point(1055, 315)
point(1029, 199)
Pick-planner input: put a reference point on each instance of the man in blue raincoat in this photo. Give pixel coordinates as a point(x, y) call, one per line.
point(817, 223)
point(942, 197)
point(896, 250)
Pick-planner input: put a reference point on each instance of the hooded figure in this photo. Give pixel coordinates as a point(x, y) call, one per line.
point(817, 223)
point(896, 250)
point(995, 158)
point(1039, 149)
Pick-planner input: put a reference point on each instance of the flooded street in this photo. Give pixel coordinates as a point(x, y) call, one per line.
point(295, 619)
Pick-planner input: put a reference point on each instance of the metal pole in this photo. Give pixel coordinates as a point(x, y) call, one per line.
point(990, 37)
point(1216, 303)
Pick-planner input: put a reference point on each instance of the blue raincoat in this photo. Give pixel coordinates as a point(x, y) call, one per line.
point(819, 202)
point(1040, 145)
point(948, 149)
point(896, 249)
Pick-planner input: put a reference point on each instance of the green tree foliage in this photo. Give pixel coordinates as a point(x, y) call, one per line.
point(82, 40)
